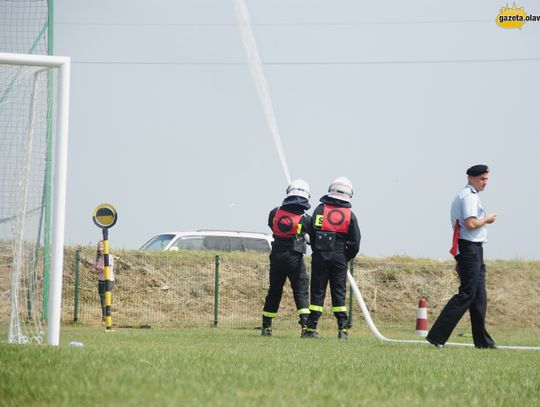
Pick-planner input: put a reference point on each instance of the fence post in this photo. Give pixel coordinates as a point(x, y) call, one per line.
point(349, 322)
point(76, 293)
point(216, 291)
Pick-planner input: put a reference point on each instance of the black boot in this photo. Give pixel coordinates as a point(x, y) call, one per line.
point(342, 330)
point(303, 321)
point(266, 327)
point(266, 332)
point(310, 331)
point(343, 334)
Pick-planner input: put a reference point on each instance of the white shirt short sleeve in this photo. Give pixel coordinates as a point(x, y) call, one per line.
point(466, 205)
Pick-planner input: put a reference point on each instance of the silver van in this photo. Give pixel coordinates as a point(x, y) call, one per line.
point(221, 240)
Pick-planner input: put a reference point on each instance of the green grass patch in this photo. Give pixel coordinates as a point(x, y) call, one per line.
point(211, 367)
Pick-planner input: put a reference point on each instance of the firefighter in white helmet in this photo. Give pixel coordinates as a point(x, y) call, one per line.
point(335, 240)
point(289, 224)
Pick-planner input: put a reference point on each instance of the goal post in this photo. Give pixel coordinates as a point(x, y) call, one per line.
point(26, 115)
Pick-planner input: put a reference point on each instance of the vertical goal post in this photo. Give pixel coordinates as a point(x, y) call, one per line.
point(62, 65)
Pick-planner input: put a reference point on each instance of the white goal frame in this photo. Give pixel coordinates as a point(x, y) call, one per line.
point(63, 64)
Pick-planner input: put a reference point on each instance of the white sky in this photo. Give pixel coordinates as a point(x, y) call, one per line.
point(401, 97)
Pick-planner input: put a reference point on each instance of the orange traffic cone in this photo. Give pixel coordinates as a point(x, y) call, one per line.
point(421, 318)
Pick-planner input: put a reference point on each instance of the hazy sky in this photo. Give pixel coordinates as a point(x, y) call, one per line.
point(401, 97)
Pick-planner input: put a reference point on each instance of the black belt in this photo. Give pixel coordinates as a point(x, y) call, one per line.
point(470, 242)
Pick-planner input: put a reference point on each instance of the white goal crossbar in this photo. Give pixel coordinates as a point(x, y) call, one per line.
point(59, 179)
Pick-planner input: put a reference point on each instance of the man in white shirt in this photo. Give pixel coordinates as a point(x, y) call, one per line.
point(470, 233)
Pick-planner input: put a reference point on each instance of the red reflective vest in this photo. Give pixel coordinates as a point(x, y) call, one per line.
point(285, 223)
point(336, 219)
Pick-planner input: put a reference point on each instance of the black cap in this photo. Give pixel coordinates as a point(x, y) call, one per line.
point(477, 170)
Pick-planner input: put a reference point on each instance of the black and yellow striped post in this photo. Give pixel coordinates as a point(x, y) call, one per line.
point(105, 217)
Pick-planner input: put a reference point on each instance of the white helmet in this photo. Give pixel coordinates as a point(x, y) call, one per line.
point(341, 188)
point(299, 187)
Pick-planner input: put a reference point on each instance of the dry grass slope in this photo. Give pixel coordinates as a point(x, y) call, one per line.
point(177, 289)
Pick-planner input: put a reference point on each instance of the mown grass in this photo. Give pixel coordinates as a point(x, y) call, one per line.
point(214, 367)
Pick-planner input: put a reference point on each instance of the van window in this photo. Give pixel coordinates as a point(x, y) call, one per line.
point(258, 245)
point(217, 243)
point(158, 243)
point(236, 243)
point(190, 243)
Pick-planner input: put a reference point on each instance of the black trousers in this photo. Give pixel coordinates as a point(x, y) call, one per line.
point(471, 296)
point(287, 264)
point(328, 267)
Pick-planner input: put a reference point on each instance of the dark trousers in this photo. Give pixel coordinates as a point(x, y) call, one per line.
point(102, 287)
point(471, 296)
point(328, 267)
point(287, 264)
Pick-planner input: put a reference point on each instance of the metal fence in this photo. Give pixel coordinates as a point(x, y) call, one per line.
point(194, 289)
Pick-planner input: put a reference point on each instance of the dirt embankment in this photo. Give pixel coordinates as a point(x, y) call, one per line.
point(168, 289)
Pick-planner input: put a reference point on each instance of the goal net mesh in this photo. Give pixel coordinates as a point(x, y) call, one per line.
point(23, 26)
point(26, 131)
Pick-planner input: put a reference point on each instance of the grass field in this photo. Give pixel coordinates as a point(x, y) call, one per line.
point(215, 367)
